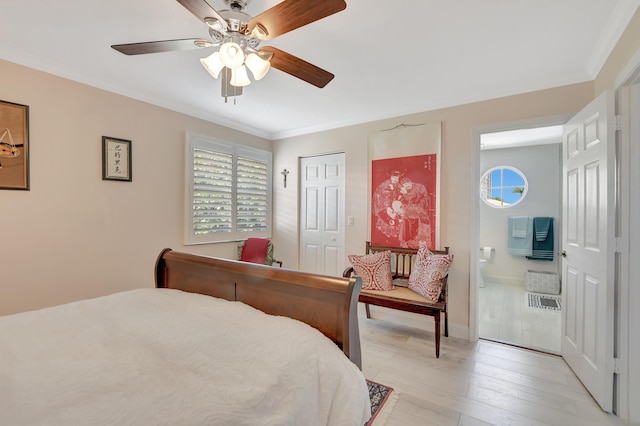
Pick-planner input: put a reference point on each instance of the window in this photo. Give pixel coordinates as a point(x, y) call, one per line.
point(228, 189)
point(503, 186)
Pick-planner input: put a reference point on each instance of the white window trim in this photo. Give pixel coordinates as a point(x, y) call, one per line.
point(194, 141)
point(513, 169)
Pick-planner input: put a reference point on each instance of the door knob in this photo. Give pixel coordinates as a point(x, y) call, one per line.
point(563, 253)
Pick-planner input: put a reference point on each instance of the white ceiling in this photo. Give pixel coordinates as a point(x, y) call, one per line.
point(389, 58)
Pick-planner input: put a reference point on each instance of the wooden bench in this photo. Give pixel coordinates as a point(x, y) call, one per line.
point(402, 298)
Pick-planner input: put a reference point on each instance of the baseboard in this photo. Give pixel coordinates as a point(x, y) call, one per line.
point(422, 322)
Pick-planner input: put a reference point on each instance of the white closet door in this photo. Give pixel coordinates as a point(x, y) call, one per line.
point(322, 208)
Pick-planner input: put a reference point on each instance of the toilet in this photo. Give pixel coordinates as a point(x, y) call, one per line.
point(481, 265)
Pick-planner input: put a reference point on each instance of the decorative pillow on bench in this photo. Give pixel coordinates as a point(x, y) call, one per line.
point(428, 271)
point(375, 270)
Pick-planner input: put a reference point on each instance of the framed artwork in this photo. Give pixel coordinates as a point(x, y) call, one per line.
point(404, 171)
point(14, 146)
point(116, 159)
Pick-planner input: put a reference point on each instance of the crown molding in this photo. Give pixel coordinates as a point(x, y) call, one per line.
point(616, 24)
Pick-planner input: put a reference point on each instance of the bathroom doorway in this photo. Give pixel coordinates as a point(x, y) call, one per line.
point(518, 279)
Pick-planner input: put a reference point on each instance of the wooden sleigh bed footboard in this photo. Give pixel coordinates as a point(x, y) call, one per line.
point(328, 304)
point(191, 359)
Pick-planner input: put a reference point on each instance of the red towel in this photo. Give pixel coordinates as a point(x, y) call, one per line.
point(255, 250)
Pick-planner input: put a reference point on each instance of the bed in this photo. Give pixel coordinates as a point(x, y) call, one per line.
point(187, 352)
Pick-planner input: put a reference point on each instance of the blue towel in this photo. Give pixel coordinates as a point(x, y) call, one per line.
point(541, 226)
point(520, 236)
point(543, 246)
point(519, 226)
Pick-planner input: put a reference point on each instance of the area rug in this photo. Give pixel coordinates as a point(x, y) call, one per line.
point(383, 400)
point(544, 301)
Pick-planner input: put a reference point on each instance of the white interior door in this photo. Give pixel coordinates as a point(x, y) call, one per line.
point(588, 239)
point(322, 208)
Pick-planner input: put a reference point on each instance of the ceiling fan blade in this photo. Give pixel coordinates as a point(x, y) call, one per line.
point(291, 14)
point(297, 67)
point(202, 10)
point(162, 46)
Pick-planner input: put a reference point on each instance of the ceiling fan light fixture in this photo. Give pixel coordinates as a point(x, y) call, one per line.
point(259, 32)
point(213, 64)
point(237, 36)
point(239, 77)
point(213, 23)
point(258, 66)
point(231, 55)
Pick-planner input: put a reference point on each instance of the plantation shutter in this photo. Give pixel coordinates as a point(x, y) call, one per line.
point(228, 191)
point(212, 192)
point(251, 195)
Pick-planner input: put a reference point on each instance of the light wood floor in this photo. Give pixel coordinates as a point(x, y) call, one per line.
point(483, 383)
point(504, 315)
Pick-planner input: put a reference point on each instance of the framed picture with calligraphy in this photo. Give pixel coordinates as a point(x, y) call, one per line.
point(116, 159)
point(404, 173)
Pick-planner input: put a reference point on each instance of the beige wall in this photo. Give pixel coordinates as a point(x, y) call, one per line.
point(456, 184)
point(73, 235)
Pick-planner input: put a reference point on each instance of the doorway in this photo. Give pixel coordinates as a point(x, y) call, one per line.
point(589, 246)
point(519, 300)
point(505, 310)
point(625, 390)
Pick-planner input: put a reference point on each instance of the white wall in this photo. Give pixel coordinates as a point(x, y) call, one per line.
point(73, 235)
point(541, 165)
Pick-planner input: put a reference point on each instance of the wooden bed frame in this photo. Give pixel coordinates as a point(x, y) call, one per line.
point(328, 304)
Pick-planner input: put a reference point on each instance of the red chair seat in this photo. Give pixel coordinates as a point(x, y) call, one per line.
point(255, 250)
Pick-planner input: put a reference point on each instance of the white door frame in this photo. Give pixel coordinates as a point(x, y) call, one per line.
point(474, 252)
point(627, 342)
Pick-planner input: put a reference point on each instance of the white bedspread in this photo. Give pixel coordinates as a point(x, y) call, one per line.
point(166, 357)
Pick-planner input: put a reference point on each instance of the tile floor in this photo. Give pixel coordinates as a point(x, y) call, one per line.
point(472, 383)
point(504, 316)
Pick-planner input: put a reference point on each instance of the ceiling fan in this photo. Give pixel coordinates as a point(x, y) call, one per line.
point(238, 36)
